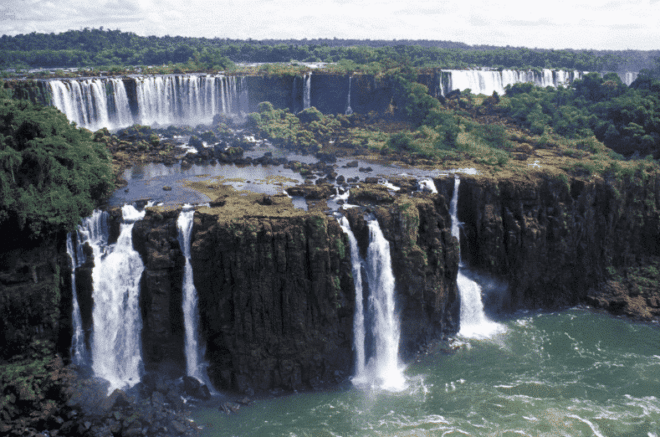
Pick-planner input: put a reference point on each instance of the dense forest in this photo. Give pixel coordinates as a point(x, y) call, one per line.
point(108, 48)
point(51, 173)
point(626, 119)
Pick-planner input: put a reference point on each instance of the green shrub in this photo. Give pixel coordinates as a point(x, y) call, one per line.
point(310, 114)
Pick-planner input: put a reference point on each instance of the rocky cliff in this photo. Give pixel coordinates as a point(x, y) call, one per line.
point(155, 238)
point(275, 287)
point(561, 242)
point(275, 295)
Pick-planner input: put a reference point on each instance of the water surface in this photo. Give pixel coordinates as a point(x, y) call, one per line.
point(571, 373)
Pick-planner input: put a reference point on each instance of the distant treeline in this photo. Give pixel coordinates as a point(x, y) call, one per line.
point(99, 47)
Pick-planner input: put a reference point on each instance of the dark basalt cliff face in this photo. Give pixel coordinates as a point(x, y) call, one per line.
point(328, 92)
point(155, 238)
point(276, 300)
point(561, 244)
point(35, 298)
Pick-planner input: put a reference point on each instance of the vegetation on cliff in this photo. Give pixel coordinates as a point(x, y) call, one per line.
point(51, 173)
point(626, 119)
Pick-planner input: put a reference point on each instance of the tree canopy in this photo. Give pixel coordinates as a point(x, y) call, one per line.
point(626, 119)
point(51, 172)
point(98, 47)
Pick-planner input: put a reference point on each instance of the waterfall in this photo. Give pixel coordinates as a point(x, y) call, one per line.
point(428, 186)
point(194, 365)
point(307, 91)
point(189, 99)
point(177, 99)
point(628, 77)
point(122, 115)
point(92, 103)
point(473, 320)
point(384, 365)
point(349, 110)
point(382, 369)
point(488, 81)
point(358, 317)
point(78, 352)
point(117, 324)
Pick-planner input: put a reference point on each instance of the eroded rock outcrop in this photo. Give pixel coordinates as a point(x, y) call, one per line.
point(275, 296)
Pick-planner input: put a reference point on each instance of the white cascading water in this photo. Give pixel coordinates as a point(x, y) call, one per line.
point(628, 77)
point(383, 369)
point(189, 99)
point(487, 81)
point(428, 186)
point(473, 320)
point(349, 110)
point(117, 323)
point(122, 114)
point(194, 364)
point(358, 317)
point(307, 91)
point(178, 99)
point(78, 351)
point(85, 102)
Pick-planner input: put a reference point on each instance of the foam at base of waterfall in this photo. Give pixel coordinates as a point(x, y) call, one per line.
point(473, 321)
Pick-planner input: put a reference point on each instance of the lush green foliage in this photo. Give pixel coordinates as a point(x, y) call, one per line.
point(626, 119)
point(306, 130)
point(98, 47)
point(51, 173)
point(434, 138)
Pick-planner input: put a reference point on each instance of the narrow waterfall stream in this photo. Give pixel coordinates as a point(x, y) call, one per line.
point(307, 91)
point(115, 342)
point(195, 365)
point(358, 319)
point(473, 320)
point(349, 110)
point(78, 351)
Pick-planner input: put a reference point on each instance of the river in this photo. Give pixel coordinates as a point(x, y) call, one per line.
point(570, 373)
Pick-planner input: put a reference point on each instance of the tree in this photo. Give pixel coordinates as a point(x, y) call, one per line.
point(51, 173)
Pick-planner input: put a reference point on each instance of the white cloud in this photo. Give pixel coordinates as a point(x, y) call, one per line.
point(559, 24)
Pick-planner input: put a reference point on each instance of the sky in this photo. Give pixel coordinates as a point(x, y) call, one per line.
point(558, 24)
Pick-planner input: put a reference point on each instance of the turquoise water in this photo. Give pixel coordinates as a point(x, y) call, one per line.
point(570, 373)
